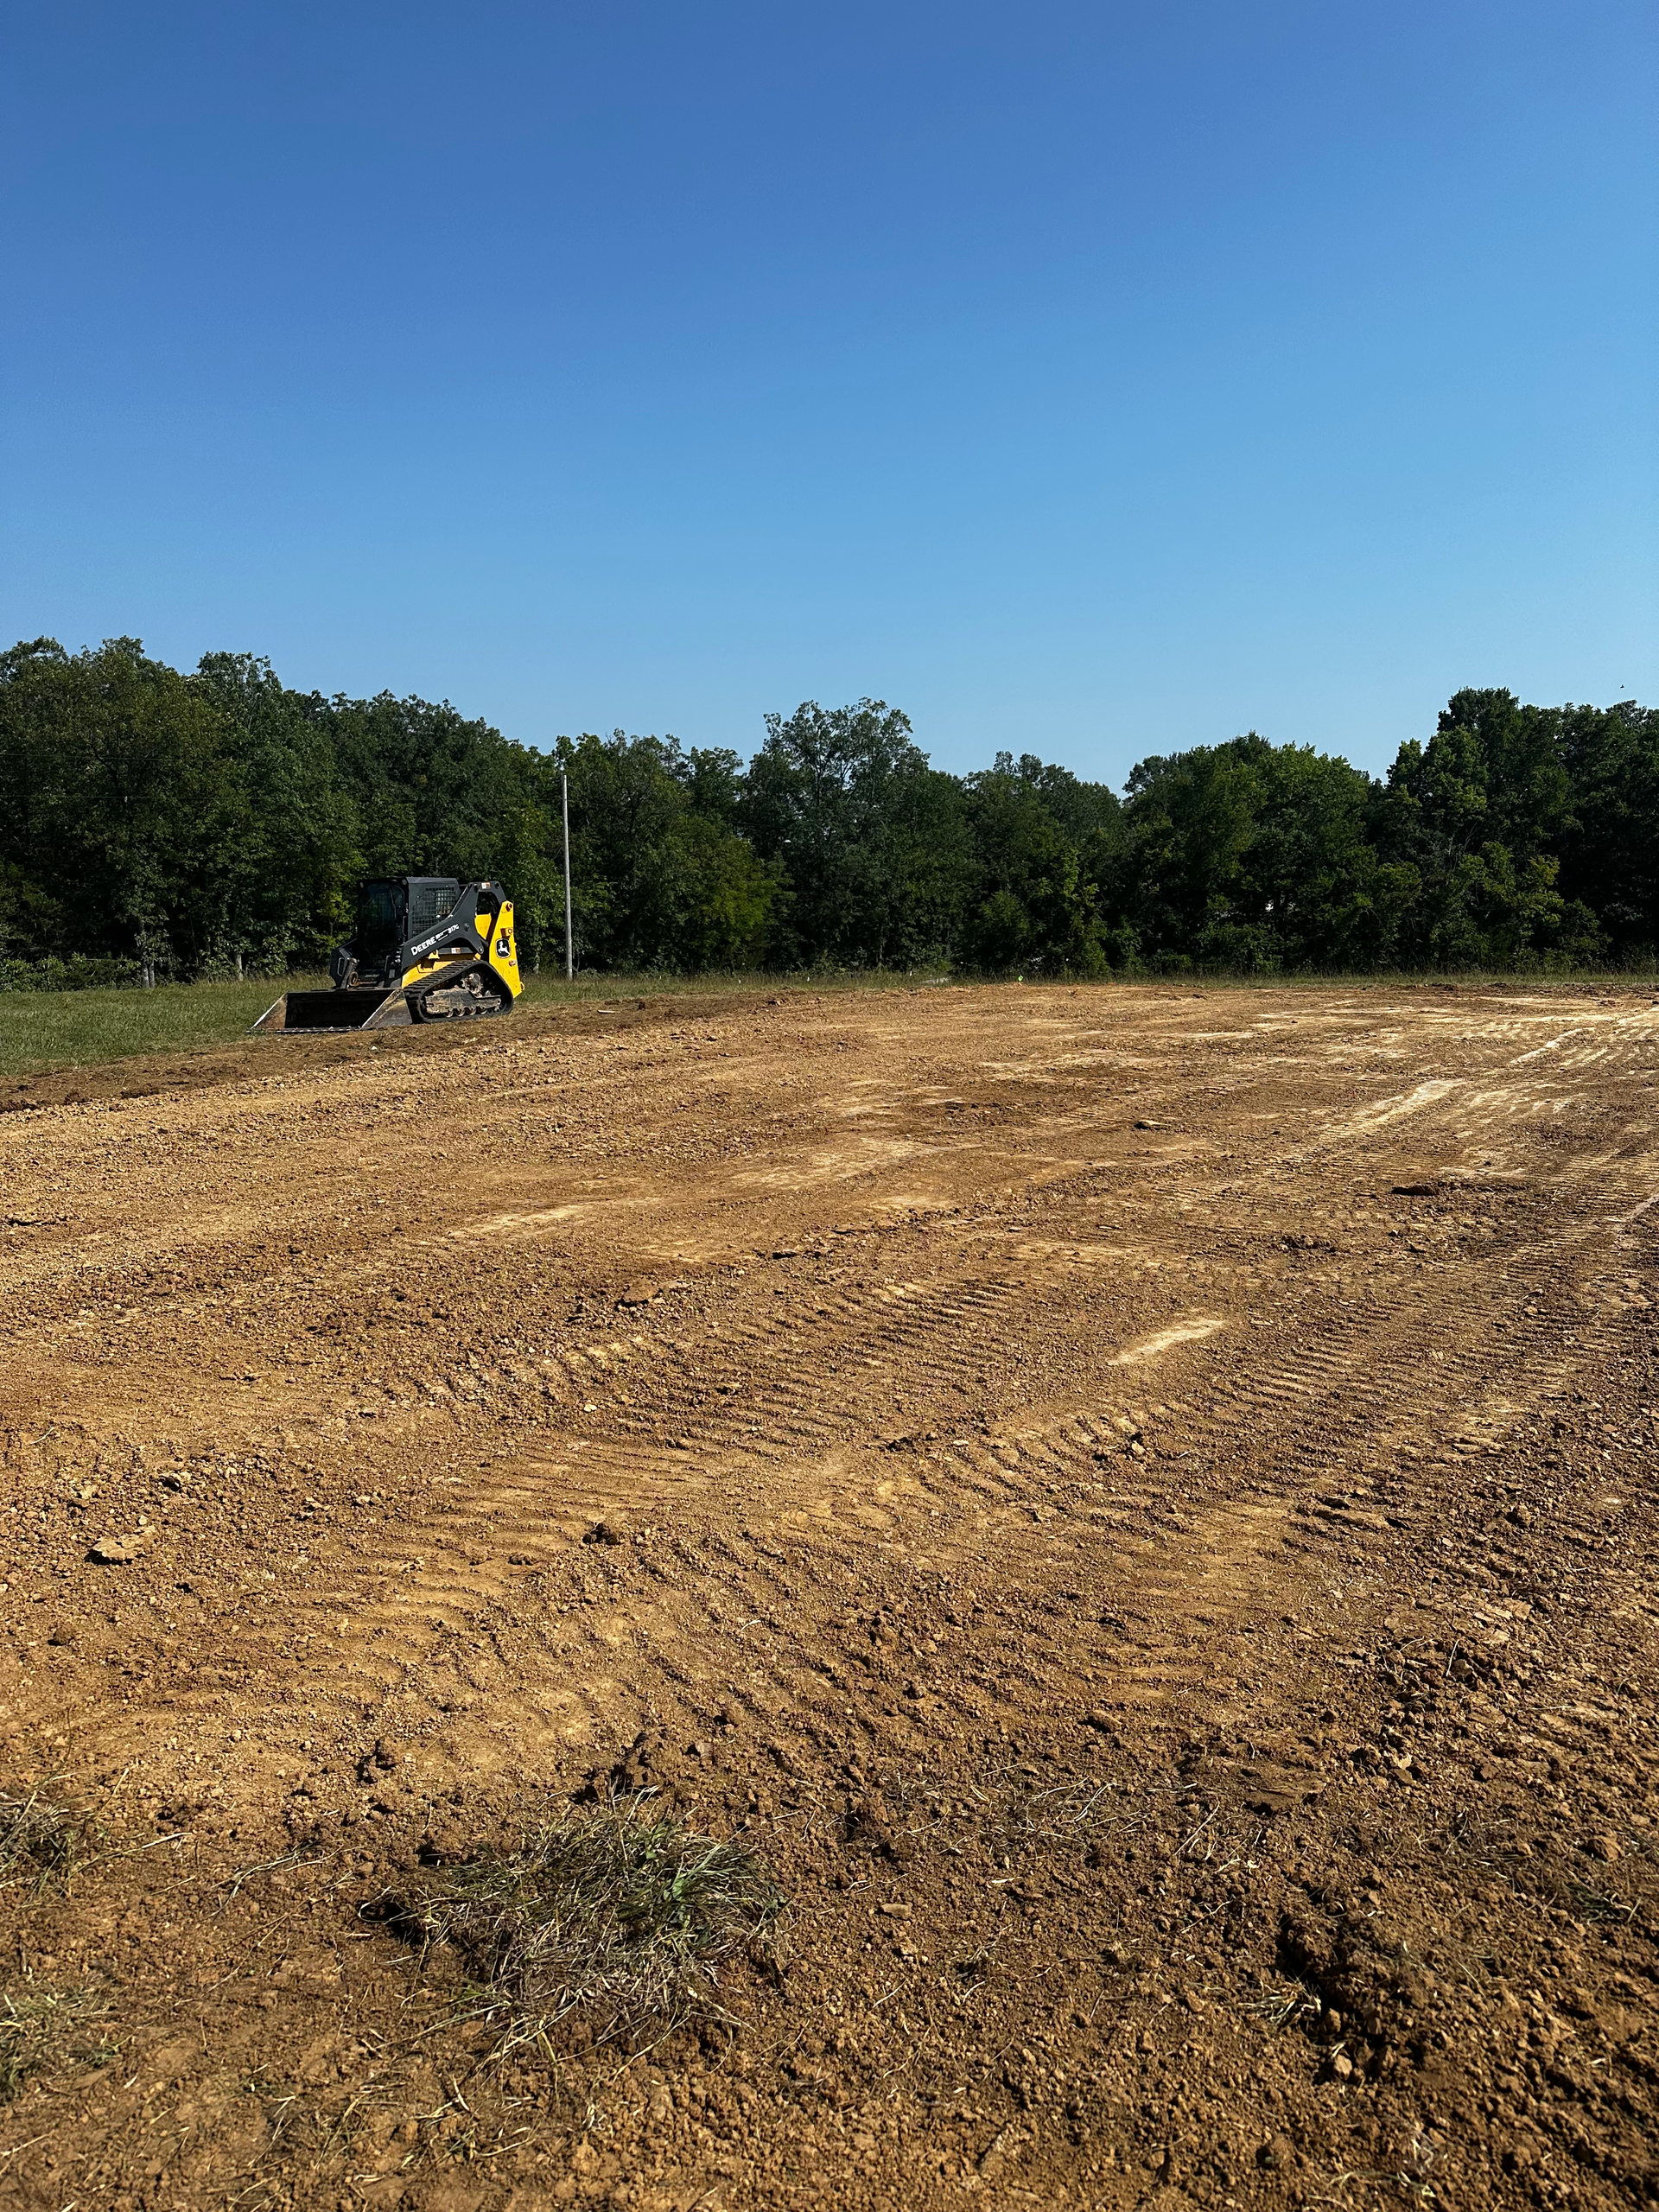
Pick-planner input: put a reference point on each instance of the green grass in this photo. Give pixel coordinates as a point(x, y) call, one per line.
point(43, 1030)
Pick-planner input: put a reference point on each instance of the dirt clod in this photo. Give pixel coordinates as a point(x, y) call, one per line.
point(116, 1551)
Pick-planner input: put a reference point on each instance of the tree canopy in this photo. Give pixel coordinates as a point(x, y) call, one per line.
point(159, 823)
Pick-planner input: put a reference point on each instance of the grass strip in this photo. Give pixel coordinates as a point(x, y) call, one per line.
point(43, 1030)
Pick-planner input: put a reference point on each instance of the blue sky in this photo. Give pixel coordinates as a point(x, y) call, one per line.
point(1095, 381)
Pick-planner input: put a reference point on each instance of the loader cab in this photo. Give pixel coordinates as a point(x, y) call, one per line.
point(381, 907)
point(431, 899)
point(391, 910)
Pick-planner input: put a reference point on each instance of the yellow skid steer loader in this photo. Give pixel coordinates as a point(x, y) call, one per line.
point(426, 948)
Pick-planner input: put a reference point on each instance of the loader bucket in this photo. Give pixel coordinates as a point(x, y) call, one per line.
point(319, 1012)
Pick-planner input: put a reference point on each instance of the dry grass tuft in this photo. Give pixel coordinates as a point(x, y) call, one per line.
point(38, 1841)
point(1283, 2004)
point(43, 2025)
point(616, 1912)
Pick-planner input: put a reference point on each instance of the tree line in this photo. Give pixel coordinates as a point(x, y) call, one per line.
point(161, 824)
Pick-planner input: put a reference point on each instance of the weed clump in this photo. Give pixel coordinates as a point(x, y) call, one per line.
point(42, 2024)
point(39, 1841)
point(616, 1912)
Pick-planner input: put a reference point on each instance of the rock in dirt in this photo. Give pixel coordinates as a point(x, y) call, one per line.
point(1273, 1789)
point(116, 1551)
point(605, 1532)
point(993, 2159)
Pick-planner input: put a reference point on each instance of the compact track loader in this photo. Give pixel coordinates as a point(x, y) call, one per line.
point(426, 948)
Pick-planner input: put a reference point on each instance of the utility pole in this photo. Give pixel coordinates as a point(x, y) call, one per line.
point(569, 954)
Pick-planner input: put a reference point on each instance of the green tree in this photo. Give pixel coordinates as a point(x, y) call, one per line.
point(1042, 841)
point(1477, 813)
point(278, 886)
point(177, 825)
point(661, 879)
point(1252, 855)
point(116, 784)
point(1609, 844)
point(874, 843)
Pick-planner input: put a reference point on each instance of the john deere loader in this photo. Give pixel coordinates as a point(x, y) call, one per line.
point(425, 949)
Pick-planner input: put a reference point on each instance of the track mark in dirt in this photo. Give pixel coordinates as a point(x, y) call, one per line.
point(1182, 1333)
point(1155, 1528)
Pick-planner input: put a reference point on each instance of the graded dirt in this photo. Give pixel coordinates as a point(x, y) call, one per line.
point(1136, 1505)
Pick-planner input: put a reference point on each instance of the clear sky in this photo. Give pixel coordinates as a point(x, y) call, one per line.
point(1092, 380)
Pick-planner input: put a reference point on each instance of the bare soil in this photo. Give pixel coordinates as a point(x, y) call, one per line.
point(1137, 1505)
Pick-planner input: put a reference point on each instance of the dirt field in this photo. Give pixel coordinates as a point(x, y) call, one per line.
point(1137, 1505)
